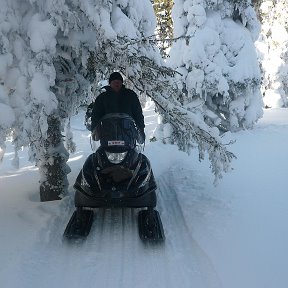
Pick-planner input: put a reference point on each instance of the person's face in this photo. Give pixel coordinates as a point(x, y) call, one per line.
point(116, 85)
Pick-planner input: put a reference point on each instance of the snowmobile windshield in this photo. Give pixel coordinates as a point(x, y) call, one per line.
point(117, 132)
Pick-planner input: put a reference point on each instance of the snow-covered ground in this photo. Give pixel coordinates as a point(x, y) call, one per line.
point(234, 235)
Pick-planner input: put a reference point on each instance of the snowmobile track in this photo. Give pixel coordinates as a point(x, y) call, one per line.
point(179, 234)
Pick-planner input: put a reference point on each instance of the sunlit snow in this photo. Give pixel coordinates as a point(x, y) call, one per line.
point(232, 235)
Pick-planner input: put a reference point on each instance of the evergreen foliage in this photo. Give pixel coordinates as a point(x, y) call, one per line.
point(47, 48)
point(218, 61)
point(52, 51)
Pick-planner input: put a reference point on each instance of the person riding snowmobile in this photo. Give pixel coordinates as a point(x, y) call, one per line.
point(117, 99)
point(117, 174)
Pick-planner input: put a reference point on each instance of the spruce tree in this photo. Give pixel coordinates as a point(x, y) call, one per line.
point(45, 81)
point(219, 65)
point(53, 51)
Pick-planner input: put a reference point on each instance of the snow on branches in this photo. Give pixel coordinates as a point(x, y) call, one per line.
point(219, 62)
point(51, 51)
point(145, 71)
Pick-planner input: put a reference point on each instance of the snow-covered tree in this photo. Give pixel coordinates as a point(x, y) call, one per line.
point(146, 71)
point(49, 51)
point(218, 63)
point(273, 52)
point(45, 47)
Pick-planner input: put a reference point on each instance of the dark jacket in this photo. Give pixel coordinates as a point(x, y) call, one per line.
point(126, 101)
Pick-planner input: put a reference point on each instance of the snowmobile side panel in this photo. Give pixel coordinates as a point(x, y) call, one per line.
point(79, 224)
point(150, 226)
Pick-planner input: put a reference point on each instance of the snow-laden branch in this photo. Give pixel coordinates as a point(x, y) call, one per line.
point(159, 82)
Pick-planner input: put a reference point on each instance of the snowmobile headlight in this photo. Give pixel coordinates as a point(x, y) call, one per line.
point(116, 158)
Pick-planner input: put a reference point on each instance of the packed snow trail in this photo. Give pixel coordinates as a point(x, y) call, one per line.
point(240, 225)
point(113, 255)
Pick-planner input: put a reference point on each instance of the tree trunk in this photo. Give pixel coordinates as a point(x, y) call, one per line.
point(54, 167)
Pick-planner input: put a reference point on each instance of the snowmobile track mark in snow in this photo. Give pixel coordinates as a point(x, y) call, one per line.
point(173, 214)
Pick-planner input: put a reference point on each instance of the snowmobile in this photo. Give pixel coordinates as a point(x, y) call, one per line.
point(116, 175)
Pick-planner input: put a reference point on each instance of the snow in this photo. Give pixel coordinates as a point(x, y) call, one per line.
point(41, 94)
point(232, 236)
point(130, 17)
point(223, 51)
point(279, 32)
point(120, 23)
point(7, 116)
point(42, 34)
point(5, 61)
point(196, 15)
point(106, 25)
point(272, 98)
point(272, 46)
point(3, 94)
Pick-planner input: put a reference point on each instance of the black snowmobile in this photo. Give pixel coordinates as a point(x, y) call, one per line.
point(116, 175)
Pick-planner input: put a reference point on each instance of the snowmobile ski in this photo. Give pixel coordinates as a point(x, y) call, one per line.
point(79, 224)
point(150, 226)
